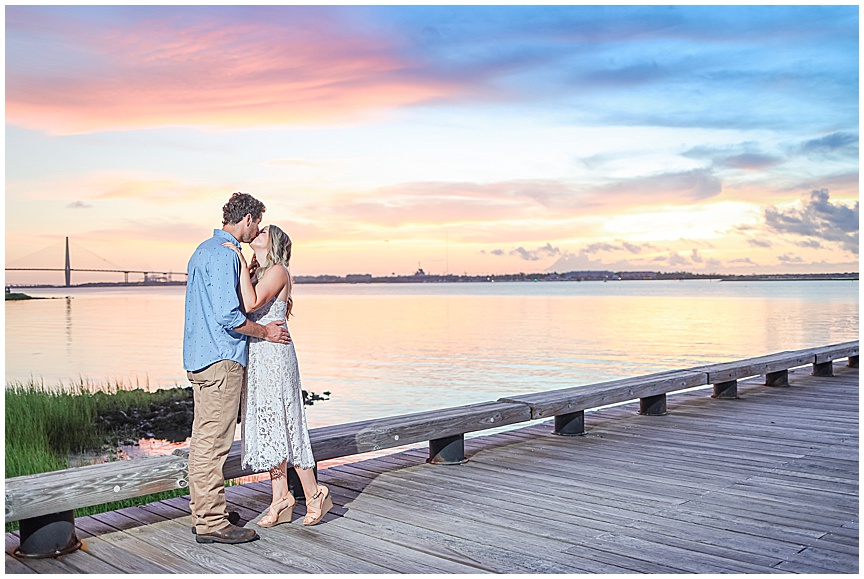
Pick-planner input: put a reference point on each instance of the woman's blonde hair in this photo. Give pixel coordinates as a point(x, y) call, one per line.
point(278, 253)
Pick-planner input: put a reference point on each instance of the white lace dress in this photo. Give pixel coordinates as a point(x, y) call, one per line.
point(273, 421)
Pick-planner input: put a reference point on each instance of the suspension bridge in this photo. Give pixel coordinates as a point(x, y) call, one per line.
point(150, 276)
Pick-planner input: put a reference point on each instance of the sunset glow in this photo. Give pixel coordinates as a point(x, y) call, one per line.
point(477, 140)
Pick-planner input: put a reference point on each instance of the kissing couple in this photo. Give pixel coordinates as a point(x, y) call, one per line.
point(237, 352)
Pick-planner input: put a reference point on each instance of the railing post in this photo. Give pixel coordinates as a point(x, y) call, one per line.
point(726, 390)
point(853, 361)
point(447, 450)
point(653, 405)
point(47, 536)
point(823, 369)
point(572, 424)
point(779, 378)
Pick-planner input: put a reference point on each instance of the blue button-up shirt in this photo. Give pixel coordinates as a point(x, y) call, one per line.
point(213, 305)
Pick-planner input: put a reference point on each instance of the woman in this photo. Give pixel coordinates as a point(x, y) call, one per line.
point(273, 420)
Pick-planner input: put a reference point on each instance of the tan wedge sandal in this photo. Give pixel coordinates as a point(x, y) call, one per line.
point(317, 506)
point(272, 517)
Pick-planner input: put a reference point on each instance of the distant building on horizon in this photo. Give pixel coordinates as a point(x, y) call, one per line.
point(638, 275)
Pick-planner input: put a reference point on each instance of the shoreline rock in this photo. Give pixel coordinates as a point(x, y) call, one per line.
point(165, 420)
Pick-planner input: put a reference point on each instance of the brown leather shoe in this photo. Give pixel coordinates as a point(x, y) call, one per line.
point(233, 518)
point(231, 534)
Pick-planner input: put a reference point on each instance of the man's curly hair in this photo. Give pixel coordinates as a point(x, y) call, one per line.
point(240, 205)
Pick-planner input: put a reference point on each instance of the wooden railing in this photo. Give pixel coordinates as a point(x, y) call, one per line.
point(32, 496)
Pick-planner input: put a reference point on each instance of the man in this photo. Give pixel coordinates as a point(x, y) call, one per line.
point(214, 355)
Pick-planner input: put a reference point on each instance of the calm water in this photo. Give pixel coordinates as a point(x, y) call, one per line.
point(388, 349)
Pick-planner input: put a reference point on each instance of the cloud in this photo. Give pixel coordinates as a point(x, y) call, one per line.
point(675, 259)
point(595, 247)
point(695, 257)
point(203, 66)
point(759, 242)
point(743, 156)
point(811, 243)
point(632, 248)
point(584, 258)
point(745, 260)
point(80, 69)
point(831, 145)
point(537, 254)
point(79, 205)
point(673, 187)
point(789, 258)
point(436, 202)
point(606, 247)
point(750, 161)
point(817, 219)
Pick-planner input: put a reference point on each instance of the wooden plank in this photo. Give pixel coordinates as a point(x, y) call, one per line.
point(556, 481)
point(825, 561)
point(751, 559)
point(504, 550)
point(580, 398)
point(255, 557)
point(836, 543)
point(16, 567)
point(50, 565)
point(758, 550)
point(627, 464)
point(837, 351)
point(133, 554)
point(305, 550)
point(368, 544)
point(730, 522)
point(635, 453)
point(85, 561)
point(45, 566)
point(767, 511)
point(627, 447)
point(361, 540)
point(692, 458)
point(589, 499)
point(13, 565)
point(63, 490)
point(501, 514)
point(492, 496)
point(745, 542)
point(620, 559)
point(154, 543)
point(292, 554)
point(674, 556)
point(372, 435)
point(177, 542)
point(757, 366)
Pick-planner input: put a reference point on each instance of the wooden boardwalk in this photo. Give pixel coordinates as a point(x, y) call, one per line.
point(767, 483)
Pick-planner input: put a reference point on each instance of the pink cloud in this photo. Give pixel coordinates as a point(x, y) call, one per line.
point(214, 72)
point(437, 203)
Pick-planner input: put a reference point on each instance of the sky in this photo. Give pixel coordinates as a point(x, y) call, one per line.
point(460, 139)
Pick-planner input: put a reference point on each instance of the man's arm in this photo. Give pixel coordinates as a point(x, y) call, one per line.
point(272, 332)
point(225, 273)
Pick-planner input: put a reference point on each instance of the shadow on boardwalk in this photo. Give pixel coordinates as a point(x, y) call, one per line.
point(766, 483)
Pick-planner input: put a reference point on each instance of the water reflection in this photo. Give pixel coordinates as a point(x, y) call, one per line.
point(68, 326)
point(383, 350)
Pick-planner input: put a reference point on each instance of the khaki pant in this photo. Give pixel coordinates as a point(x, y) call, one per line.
point(216, 390)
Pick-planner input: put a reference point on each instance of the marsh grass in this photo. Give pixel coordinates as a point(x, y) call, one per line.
point(45, 426)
